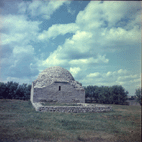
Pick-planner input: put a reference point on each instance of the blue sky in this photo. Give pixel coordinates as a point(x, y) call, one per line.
point(98, 42)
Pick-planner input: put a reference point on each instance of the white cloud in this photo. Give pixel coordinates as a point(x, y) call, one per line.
point(122, 35)
point(58, 29)
point(138, 80)
point(22, 7)
point(57, 58)
point(75, 70)
point(19, 29)
point(19, 23)
point(135, 22)
point(23, 50)
point(92, 36)
point(109, 73)
point(41, 8)
point(17, 33)
point(111, 12)
point(79, 43)
point(104, 21)
point(128, 77)
point(53, 59)
point(121, 71)
point(33, 7)
point(91, 13)
point(83, 35)
point(88, 61)
point(96, 74)
point(119, 77)
point(8, 38)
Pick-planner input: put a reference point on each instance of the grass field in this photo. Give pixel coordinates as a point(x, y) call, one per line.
point(21, 123)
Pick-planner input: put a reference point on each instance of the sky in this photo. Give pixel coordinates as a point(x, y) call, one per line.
point(99, 42)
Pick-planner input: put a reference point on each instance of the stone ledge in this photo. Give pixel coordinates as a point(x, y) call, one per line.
point(73, 109)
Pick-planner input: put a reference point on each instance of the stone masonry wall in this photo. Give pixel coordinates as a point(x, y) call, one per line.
point(73, 109)
point(67, 94)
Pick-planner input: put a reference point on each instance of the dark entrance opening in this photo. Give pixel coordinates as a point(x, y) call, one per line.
point(59, 88)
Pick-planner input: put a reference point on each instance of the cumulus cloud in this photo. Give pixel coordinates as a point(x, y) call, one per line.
point(120, 77)
point(72, 50)
point(89, 61)
point(95, 31)
point(22, 7)
point(17, 33)
point(75, 70)
point(127, 78)
point(104, 20)
point(19, 23)
point(121, 71)
point(18, 63)
point(23, 50)
point(123, 36)
point(96, 74)
point(41, 8)
point(53, 59)
point(98, 14)
point(58, 29)
point(18, 28)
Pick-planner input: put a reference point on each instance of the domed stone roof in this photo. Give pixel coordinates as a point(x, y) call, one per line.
point(53, 74)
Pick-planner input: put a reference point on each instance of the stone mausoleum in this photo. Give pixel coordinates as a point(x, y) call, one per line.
point(56, 84)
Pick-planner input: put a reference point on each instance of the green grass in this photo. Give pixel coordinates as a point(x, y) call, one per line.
point(20, 122)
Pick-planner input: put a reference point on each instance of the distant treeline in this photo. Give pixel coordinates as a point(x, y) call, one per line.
point(106, 95)
point(13, 90)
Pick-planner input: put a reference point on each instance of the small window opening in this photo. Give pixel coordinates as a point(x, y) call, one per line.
point(59, 88)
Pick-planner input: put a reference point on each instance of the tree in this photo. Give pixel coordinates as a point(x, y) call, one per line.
point(89, 90)
point(107, 97)
point(96, 92)
point(138, 94)
point(99, 95)
point(27, 92)
point(5, 90)
point(21, 92)
point(118, 94)
point(12, 90)
point(11, 87)
point(2, 90)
